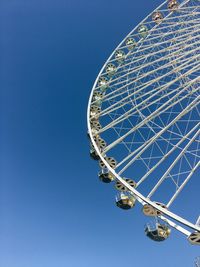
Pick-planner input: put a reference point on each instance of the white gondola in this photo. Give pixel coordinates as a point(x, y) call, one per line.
point(101, 144)
point(105, 176)
point(97, 98)
point(125, 200)
point(130, 43)
point(143, 31)
point(120, 56)
point(157, 17)
point(94, 112)
point(110, 69)
point(103, 83)
point(93, 154)
point(157, 231)
point(173, 5)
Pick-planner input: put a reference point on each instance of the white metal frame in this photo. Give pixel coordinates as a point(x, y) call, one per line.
point(172, 219)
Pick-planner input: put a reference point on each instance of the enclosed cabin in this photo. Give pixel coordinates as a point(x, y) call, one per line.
point(97, 98)
point(157, 231)
point(110, 69)
point(157, 17)
point(130, 43)
point(105, 175)
point(95, 126)
point(173, 5)
point(143, 31)
point(101, 144)
point(125, 200)
point(103, 83)
point(120, 56)
point(94, 120)
point(94, 113)
point(93, 154)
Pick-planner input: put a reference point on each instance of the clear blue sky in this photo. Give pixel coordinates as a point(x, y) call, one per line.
point(54, 212)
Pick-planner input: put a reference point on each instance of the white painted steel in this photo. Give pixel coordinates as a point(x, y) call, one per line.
point(159, 78)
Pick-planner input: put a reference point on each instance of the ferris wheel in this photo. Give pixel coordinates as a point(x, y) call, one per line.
point(144, 121)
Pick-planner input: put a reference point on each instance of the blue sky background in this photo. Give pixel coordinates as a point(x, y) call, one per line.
point(54, 212)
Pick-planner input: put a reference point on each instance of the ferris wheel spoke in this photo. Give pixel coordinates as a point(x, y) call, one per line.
point(152, 34)
point(149, 46)
point(156, 60)
point(140, 88)
point(180, 41)
point(148, 41)
point(178, 136)
point(180, 188)
point(168, 64)
point(187, 123)
point(148, 83)
point(151, 95)
point(173, 25)
point(143, 148)
point(176, 146)
point(154, 138)
point(156, 113)
point(149, 49)
point(172, 165)
point(167, 48)
point(134, 110)
point(158, 78)
point(171, 132)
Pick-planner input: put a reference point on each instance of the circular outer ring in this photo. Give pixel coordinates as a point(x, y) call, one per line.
point(142, 199)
